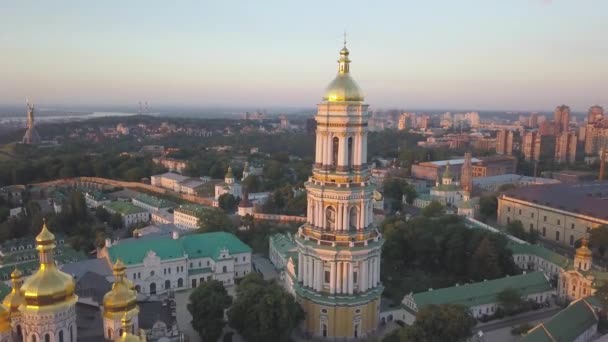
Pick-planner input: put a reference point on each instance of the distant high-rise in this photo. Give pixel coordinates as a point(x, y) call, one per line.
point(595, 113)
point(562, 118)
point(531, 146)
point(565, 147)
point(403, 119)
point(31, 135)
point(504, 142)
point(547, 128)
point(533, 120)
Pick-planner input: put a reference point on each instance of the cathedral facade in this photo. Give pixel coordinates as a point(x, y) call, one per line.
point(338, 248)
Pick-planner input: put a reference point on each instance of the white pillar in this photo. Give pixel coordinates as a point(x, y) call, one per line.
point(363, 279)
point(370, 273)
point(378, 270)
point(344, 277)
point(320, 272)
point(338, 277)
point(310, 274)
point(346, 217)
point(318, 148)
point(364, 149)
point(351, 282)
point(339, 217)
point(340, 161)
point(332, 278)
point(299, 267)
point(328, 148)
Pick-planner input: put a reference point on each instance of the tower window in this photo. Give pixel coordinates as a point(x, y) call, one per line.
point(330, 218)
point(350, 152)
point(327, 276)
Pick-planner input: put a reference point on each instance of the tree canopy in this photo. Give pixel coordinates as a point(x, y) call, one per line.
point(213, 220)
point(439, 323)
point(207, 304)
point(263, 311)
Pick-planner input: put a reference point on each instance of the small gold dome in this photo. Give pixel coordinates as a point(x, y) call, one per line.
point(127, 326)
point(122, 298)
point(15, 298)
point(48, 286)
point(583, 251)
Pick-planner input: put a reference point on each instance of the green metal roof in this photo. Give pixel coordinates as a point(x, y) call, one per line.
point(484, 292)
point(4, 289)
point(155, 201)
point(539, 251)
point(194, 245)
point(566, 325)
point(283, 243)
point(192, 209)
point(124, 208)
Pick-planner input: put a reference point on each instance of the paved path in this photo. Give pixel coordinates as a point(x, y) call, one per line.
point(500, 331)
point(265, 267)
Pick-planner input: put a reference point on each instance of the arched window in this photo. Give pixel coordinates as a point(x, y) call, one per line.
point(110, 333)
point(152, 288)
point(330, 218)
point(350, 152)
point(72, 334)
point(60, 335)
point(33, 338)
point(47, 338)
point(224, 269)
point(151, 273)
point(352, 219)
point(336, 146)
point(180, 282)
point(138, 288)
point(167, 284)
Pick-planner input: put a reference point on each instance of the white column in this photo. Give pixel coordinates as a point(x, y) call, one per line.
point(378, 270)
point(370, 273)
point(328, 148)
point(300, 267)
point(356, 151)
point(339, 217)
point(321, 272)
point(346, 217)
point(310, 274)
point(344, 277)
point(304, 270)
point(364, 149)
point(318, 148)
point(309, 216)
point(340, 161)
point(332, 278)
point(338, 277)
point(363, 278)
point(351, 282)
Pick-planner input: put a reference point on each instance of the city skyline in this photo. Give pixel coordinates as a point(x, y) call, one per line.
point(528, 55)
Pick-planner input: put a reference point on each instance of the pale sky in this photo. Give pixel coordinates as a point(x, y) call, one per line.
point(469, 54)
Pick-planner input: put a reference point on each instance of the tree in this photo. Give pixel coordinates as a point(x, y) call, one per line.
point(213, 220)
point(484, 262)
point(102, 214)
point(207, 304)
point(433, 209)
point(228, 202)
point(438, 323)
point(263, 310)
point(516, 228)
point(488, 206)
point(510, 300)
point(115, 221)
point(599, 239)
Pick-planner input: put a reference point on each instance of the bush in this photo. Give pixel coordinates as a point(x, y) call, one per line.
point(500, 313)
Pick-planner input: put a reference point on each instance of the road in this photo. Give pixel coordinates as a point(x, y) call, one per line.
point(501, 331)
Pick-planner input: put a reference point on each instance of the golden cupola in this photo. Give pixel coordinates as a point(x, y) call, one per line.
point(122, 298)
point(343, 87)
point(49, 287)
point(15, 298)
point(127, 331)
point(5, 320)
point(583, 251)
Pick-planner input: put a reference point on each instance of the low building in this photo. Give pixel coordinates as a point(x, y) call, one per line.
point(577, 322)
point(280, 247)
point(245, 206)
point(152, 203)
point(537, 258)
point(95, 199)
point(186, 216)
point(168, 180)
point(161, 217)
point(130, 213)
point(492, 183)
point(228, 186)
point(158, 264)
point(481, 297)
point(564, 213)
point(174, 165)
point(191, 186)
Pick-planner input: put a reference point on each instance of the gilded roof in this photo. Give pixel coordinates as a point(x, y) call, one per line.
point(122, 297)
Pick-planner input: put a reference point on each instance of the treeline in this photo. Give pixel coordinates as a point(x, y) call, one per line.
point(121, 167)
point(428, 253)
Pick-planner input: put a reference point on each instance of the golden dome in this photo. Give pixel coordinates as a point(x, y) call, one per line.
point(48, 286)
point(583, 251)
point(343, 87)
point(15, 299)
point(127, 326)
point(122, 298)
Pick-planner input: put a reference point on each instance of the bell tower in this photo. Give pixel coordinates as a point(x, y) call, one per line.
point(339, 247)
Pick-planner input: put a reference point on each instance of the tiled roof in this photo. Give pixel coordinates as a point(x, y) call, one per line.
point(194, 245)
point(484, 292)
point(581, 198)
point(566, 325)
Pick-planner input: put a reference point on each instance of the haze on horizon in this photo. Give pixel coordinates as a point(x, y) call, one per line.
point(478, 54)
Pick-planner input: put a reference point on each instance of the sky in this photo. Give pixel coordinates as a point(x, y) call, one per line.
point(453, 54)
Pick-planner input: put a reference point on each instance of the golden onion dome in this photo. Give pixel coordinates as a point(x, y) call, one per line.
point(122, 297)
point(343, 87)
point(15, 298)
point(583, 251)
point(48, 286)
point(127, 326)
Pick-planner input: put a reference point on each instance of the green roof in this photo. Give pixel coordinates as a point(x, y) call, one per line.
point(124, 208)
point(539, 251)
point(194, 246)
point(566, 325)
point(155, 201)
point(192, 209)
point(446, 187)
point(283, 243)
point(484, 292)
point(4, 289)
